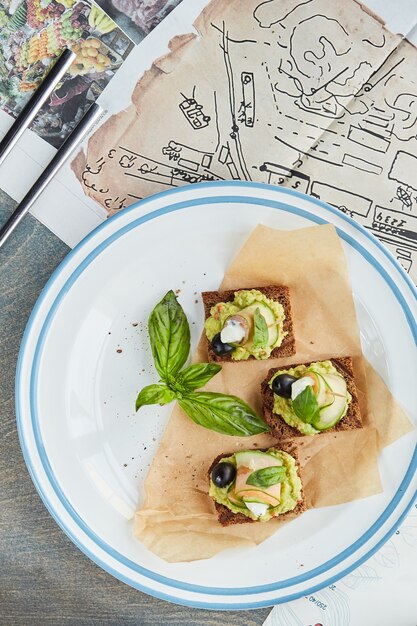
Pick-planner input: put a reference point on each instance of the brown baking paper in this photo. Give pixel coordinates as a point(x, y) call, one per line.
point(177, 520)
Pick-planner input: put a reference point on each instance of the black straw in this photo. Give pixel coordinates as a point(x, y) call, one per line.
point(35, 103)
point(44, 179)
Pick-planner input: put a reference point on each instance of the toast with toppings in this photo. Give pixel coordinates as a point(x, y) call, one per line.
point(311, 398)
point(253, 323)
point(256, 485)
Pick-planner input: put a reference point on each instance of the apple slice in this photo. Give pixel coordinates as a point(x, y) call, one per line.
point(248, 462)
point(271, 321)
point(250, 493)
point(257, 495)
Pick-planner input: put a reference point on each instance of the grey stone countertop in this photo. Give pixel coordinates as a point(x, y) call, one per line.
point(44, 578)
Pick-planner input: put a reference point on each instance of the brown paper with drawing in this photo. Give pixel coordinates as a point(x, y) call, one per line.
point(316, 96)
point(178, 521)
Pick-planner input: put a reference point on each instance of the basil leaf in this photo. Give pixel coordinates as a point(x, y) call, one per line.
point(197, 375)
point(260, 333)
point(154, 394)
point(169, 335)
point(267, 476)
point(305, 405)
point(222, 413)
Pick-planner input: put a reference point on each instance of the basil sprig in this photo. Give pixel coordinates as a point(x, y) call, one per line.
point(169, 334)
point(197, 375)
point(155, 394)
point(267, 476)
point(305, 405)
point(224, 414)
point(260, 330)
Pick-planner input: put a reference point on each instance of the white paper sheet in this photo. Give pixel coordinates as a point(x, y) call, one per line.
point(381, 592)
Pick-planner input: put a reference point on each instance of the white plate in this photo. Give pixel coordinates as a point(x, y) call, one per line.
point(88, 452)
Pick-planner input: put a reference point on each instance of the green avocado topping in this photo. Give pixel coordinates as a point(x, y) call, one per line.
point(266, 323)
point(285, 407)
point(290, 488)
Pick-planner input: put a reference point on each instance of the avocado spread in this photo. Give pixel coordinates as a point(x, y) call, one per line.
point(283, 406)
point(244, 304)
point(290, 493)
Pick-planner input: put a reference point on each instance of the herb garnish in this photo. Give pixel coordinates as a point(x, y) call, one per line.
point(169, 334)
point(260, 331)
point(305, 405)
point(267, 476)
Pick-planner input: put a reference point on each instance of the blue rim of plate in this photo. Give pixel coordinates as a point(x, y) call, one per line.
point(35, 425)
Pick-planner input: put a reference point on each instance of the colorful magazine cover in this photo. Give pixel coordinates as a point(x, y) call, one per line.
point(33, 34)
point(138, 17)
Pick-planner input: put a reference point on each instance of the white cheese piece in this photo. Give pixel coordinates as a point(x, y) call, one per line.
point(299, 385)
point(257, 508)
point(232, 332)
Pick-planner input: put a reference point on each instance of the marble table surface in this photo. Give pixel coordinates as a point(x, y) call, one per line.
point(44, 578)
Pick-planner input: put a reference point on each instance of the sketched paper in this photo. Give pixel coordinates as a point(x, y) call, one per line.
point(316, 95)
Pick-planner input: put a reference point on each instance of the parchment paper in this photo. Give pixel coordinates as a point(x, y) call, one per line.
point(178, 520)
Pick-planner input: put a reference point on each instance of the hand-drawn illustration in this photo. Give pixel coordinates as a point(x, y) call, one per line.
point(247, 107)
point(408, 531)
point(326, 607)
point(143, 167)
point(404, 169)
point(398, 223)
point(322, 71)
point(363, 575)
point(347, 201)
point(279, 175)
point(404, 107)
point(186, 156)
point(368, 138)
point(307, 94)
point(361, 164)
point(405, 197)
point(193, 112)
point(388, 556)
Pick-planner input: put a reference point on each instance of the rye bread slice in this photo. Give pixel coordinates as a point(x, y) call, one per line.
point(281, 430)
point(278, 293)
point(227, 517)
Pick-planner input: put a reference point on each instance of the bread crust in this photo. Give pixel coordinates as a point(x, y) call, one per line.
point(281, 430)
point(227, 517)
point(280, 294)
